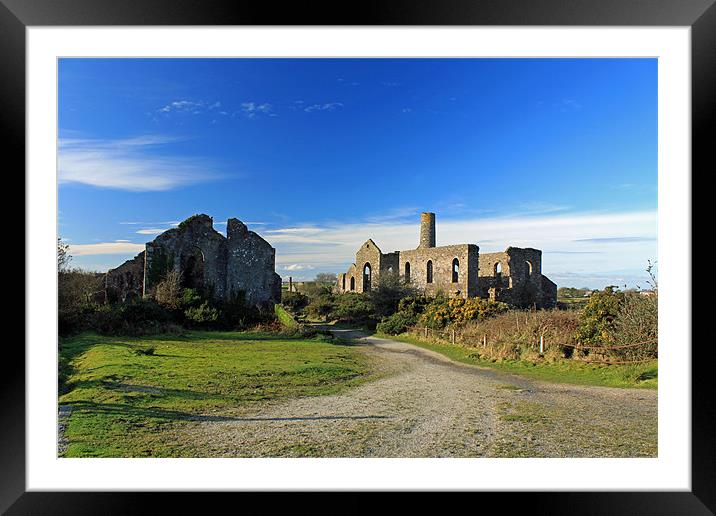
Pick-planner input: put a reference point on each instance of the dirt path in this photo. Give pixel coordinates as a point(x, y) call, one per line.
point(424, 405)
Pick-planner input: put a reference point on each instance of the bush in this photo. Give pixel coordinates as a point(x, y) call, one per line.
point(597, 321)
point(76, 319)
point(169, 292)
point(321, 307)
point(139, 317)
point(397, 323)
point(353, 309)
point(388, 293)
point(203, 315)
point(637, 322)
point(294, 301)
point(440, 312)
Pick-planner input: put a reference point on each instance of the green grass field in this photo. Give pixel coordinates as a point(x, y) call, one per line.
point(567, 371)
point(129, 396)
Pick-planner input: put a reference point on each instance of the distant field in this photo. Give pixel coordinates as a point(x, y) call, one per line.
point(130, 396)
point(572, 302)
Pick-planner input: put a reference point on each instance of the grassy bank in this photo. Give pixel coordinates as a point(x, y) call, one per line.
point(284, 317)
point(565, 371)
point(130, 395)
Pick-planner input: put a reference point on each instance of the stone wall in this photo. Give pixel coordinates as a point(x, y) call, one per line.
point(442, 259)
point(369, 256)
point(219, 267)
point(126, 282)
point(520, 282)
point(250, 265)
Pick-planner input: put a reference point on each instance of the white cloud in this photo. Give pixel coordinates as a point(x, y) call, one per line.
point(119, 247)
point(253, 109)
point(298, 267)
point(151, 231)
point(131, 164)
point(329, 106)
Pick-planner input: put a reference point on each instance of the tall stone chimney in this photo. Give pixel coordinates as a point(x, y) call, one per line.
point(427, 230)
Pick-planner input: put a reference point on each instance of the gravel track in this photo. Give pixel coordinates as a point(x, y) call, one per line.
point(424, 405)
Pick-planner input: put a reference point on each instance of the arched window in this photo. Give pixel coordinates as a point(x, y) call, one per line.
point(343, 279)
point(498, 269)
point(353, 283)
point(407, 271)
point(192, 268)
point(455, 270)
point(528, 268)
point(429, 278)
point(366, 277)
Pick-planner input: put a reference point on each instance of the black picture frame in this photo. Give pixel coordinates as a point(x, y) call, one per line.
point(700, 15)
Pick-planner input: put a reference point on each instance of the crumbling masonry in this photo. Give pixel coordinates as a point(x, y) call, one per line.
point(513, 276)
point(222, 268)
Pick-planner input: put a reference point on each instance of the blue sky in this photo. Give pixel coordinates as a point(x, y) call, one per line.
point(317, 155)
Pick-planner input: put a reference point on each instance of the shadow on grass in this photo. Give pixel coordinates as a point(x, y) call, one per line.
point(116, 409)
point(147, 389)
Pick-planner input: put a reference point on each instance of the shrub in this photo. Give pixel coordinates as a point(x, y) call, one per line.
point(321, 307)
point(353, 309)
point(77, 289)
point(397, 323)
point(598, 316)
point(637, 322)
point(295, 301)
point(388, 293)
point(414, 304)
point(139, 317)
point(169, 292)
point(203, 315)
point(440, 312)
point(147, 351)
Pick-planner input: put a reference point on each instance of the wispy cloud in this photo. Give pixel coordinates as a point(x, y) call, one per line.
point(118, 247)
point(254, 109)
point(328, 106)
point(151, 231)
point(193, 107)
point(133, 164)
point(298, 267)
point(616, 240)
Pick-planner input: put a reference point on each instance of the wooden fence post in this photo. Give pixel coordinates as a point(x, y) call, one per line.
point(452, 336)
point(426, 332)
point(484, 341)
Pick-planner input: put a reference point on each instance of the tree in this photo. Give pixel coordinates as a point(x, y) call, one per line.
point(63, 255)
point(169, 292)
point(386, 295)
point(326, 278)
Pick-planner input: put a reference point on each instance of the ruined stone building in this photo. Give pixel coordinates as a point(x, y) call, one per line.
point(221, 267)
point(513, 276)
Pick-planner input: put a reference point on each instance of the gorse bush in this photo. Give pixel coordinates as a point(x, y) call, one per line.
point(397, 323)
point(203, 315)
point(441, 313)
point(295, 301)
point(598, 317)
point(637, 326)
point(353, 309)
point(138, 317)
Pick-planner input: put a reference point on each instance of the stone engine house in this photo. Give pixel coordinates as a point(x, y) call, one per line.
point(513, 276)
point(222, 267)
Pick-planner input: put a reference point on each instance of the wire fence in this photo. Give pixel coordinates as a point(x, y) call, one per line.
point(647, 346)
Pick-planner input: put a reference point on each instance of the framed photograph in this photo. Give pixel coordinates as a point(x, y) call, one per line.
point(420, 249)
